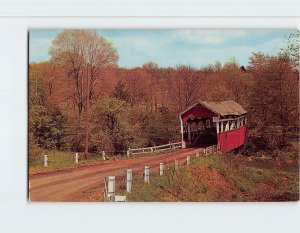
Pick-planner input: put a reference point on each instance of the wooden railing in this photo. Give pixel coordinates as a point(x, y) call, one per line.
point(170, 146)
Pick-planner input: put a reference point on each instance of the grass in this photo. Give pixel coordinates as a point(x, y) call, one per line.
point(61, 160)
point(219, 178)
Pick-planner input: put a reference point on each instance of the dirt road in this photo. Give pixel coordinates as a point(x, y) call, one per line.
point(64, 185)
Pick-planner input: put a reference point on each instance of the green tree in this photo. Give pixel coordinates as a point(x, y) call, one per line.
point(114, 126)
point(162, 127)
point(47, 127)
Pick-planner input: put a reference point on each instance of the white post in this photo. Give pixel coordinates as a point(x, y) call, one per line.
point(197, 155)
point(227, 126)
point(181, 132)
point(161, 169)
point(176, 165)
point(129, 180)
point(128, 152)
point(188, 160)
point(110, 180)
point(103, 155)
point(217, 126)
point(46, 161)
point(222, 126)
point(146, 174)
point(76, 158)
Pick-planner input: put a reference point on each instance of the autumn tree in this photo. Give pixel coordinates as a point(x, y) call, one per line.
point(82, 54)
point(36, 91)
point(120, 91)
point(237, 82)
point(274, 101)
point(184, 87)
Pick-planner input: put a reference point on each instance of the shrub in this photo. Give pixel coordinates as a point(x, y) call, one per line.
point(34, 151)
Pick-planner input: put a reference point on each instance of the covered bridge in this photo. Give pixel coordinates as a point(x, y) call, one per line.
point(209, 123)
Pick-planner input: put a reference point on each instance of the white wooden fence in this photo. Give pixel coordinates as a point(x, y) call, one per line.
point(145, 150)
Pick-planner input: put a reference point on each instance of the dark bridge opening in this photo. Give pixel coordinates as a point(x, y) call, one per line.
point(200, 133)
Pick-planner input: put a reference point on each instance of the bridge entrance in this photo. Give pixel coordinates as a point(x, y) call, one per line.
point(199, 133)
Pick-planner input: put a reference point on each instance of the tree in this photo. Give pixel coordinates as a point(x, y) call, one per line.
point(292, 48)
point(274, 101)
point(185, 84)
point(162, 127)
point(47, 127)
point(120, 92)
point(114, 125)
point(82, 54)
point(237, 82)
point(36, 91)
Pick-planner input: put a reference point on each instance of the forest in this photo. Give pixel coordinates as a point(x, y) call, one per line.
point(81, 91)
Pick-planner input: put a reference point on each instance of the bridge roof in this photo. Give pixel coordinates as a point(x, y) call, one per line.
point(223, 108)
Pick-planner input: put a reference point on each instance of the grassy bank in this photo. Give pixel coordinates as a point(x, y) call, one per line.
point(221, 178)
point(61, 160)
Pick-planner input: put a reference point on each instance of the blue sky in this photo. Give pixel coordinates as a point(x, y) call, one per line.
point(171, 47)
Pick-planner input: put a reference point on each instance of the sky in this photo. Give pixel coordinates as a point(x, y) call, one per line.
point(170, 48)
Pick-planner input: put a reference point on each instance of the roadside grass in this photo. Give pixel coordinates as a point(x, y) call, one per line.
point(61, 160)
point(58, 160)
point(225, 177)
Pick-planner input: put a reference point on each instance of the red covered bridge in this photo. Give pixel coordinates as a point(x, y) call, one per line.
point(214, 123)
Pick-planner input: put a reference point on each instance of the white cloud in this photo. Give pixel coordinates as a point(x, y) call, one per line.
point(208, 36)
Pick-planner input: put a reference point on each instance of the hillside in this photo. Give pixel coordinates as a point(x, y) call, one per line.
point(223, 178)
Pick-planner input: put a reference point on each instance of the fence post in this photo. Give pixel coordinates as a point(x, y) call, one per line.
point(188, 160)
point(176, 164)
point(46, 161)
point(146, 174)
point(110, 180)
point(128, 152)
point(161, 169)
point(76, 158)
point(129, 180)
point(103, 155)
